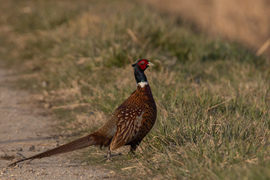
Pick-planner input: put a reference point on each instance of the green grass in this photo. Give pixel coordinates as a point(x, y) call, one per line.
point(212, 96)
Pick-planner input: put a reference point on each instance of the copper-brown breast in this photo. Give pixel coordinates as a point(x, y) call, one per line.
point(136, 117)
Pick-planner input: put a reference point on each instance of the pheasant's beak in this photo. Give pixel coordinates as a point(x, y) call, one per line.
point(150, 64)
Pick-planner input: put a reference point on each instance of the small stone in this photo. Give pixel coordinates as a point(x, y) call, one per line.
point(2, 154)
point(32, 148)
point(44, 84)
point(7, 157)
point(47, 105)
point(84, 164)
point(112, 173)
point(19, 149)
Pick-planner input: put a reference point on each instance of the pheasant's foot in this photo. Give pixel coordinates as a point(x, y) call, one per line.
point(113, 155)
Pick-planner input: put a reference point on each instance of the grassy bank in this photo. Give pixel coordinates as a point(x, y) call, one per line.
point(212, 96)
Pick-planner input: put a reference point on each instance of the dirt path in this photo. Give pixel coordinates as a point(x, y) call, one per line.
point(25, 129)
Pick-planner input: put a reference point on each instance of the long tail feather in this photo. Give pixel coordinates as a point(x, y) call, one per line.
point(71, 146)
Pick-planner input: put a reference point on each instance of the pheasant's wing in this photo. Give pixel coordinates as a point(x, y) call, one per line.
point(127, 127)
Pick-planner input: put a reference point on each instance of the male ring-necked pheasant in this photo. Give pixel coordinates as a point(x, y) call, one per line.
point(128, 124)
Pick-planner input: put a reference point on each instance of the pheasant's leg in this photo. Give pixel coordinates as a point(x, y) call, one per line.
point(109, 156)
point(133, 147)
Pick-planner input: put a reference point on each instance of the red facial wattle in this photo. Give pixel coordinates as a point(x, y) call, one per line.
point(143, 64)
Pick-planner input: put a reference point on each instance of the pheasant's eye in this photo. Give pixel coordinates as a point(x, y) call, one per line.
point(143, 64)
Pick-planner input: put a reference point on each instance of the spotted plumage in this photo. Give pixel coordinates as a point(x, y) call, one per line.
point(128, 124)
point(136, 118)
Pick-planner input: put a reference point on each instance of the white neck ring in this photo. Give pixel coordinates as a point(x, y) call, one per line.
point(142, 84)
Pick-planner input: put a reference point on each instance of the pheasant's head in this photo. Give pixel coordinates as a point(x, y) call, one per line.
point(142, 64)
point(139, 67)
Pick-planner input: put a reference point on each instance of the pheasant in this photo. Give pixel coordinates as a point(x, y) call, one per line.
point(127, 125)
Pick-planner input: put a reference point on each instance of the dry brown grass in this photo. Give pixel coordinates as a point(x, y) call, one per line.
point(247, 22)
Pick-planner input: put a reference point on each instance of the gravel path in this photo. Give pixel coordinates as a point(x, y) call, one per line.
point(25, 129)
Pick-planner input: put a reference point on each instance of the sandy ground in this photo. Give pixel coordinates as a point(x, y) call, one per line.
point(27, 130)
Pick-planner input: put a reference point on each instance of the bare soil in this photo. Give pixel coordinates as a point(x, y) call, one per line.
point(27, 129)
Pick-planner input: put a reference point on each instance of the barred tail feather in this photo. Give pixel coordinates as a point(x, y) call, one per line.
point(71, 146)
